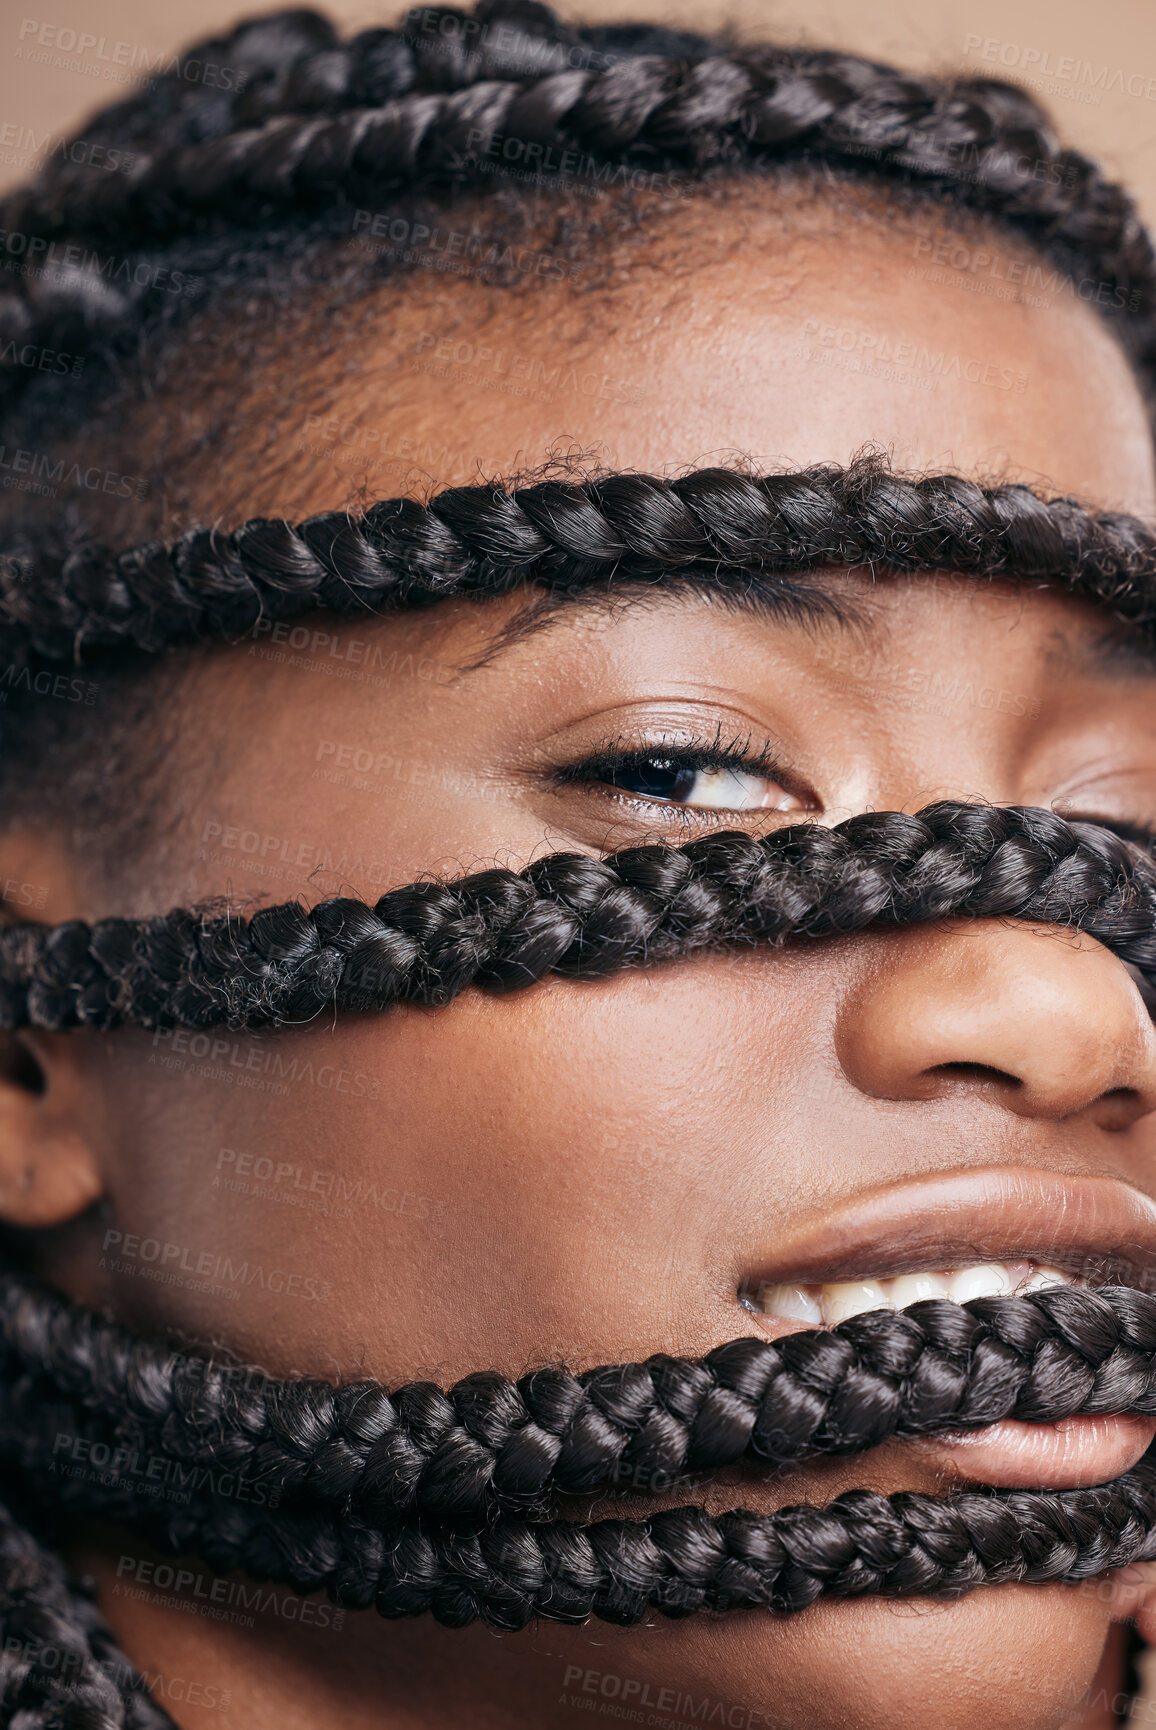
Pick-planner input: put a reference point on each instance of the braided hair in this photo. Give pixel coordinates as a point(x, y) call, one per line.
point(423, 1500)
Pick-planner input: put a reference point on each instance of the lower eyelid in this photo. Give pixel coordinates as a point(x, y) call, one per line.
point(688, 815)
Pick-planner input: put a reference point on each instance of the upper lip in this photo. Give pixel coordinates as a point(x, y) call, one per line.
point(1097, 1228)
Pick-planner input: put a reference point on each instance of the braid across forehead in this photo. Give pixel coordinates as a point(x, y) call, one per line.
point(62, 600)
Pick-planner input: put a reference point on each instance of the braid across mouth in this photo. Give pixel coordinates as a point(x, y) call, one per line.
point(428, 1501)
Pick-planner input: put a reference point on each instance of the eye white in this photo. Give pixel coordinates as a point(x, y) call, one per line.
point(736, 790)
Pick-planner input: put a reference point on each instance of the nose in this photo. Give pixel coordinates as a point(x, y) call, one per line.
point(1046, 1021)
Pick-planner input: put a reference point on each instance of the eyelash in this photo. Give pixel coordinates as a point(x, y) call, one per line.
point(614, 755)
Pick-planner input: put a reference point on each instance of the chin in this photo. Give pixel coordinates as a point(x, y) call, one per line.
point(1016, 1657)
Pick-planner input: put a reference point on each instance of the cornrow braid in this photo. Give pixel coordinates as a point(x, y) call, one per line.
point(491, 1446)
point(620, 530)
point(583, 918)
point(305, 125)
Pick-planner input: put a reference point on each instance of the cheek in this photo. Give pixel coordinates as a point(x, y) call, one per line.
point(553, 1174)
point(558, 1173)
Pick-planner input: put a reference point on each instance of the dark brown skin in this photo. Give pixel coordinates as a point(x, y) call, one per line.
point(593, 1171)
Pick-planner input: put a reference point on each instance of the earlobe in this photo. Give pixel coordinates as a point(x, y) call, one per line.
point(49, 1173)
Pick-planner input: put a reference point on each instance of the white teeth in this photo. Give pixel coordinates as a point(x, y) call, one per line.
point(987, 1280)
point(1044, 1277)
point(837, 1302)
point(790, 1300)
point(912, 1288)
point(826, 1305)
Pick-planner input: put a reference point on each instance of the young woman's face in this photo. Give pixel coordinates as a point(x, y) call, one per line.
point(599, 1171)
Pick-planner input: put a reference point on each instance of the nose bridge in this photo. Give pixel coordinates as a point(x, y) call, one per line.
point(1049, 1017)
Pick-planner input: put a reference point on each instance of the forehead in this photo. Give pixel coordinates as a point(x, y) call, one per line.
point(754, 324)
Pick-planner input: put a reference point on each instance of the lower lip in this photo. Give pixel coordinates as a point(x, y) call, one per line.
point(1072, 1454)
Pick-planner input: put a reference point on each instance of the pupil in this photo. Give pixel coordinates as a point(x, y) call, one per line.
point(657, 778)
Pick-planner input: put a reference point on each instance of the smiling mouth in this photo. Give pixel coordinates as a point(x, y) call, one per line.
point(834, 1301)
point(956, 1236)
point(960, 1234)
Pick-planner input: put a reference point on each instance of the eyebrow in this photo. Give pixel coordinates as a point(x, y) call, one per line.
point(782, 601)
point(776, 600)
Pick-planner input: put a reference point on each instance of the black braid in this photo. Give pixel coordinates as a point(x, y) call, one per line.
point(312, 126)
point(583, 918)
point(621, 530)
point(494, 1446)
point(59, 1665)
point(432, 1502)
point(403, 1501)
point(677, 1562)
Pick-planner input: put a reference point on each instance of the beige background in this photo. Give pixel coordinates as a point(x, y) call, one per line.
point(1108, 42)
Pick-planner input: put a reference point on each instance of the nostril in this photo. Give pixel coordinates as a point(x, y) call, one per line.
point(976, 1072)
point(1118, 1109)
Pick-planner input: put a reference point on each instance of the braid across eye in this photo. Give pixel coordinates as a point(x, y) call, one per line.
point(582, 918)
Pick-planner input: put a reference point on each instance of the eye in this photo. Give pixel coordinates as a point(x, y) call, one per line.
point(703, 786)
point(691, 776)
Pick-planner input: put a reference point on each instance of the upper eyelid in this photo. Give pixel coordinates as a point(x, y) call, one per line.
point(737, 751)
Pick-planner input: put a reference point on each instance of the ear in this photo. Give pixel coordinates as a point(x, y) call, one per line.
point(49, 1172)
